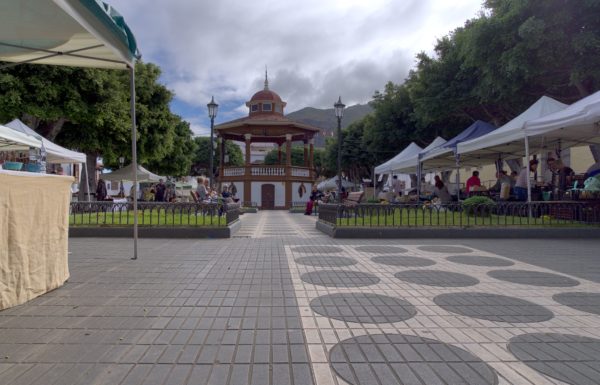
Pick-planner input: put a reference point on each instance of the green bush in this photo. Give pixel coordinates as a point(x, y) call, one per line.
point(478, 205)
point(372, 200)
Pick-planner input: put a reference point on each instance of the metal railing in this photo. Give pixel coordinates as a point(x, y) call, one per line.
point(153, 214)
point(458, 215)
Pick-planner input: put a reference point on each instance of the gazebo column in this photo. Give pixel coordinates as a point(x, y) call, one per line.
point(288, 171)
point(247, 171)
point(311, 158)
point(305, 141)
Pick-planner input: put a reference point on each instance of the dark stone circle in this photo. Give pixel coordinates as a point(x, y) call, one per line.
point(587, 302)
point(569, 358)
point(397, 359)
point(493, 307)
point(436, 278)
point(477, 260)
point(339, 278)
point(445, 249)
point(325, 261)
point(363, 308)
point(534, 278)
point(317, 249)
point(381, 249)
point(403, 260)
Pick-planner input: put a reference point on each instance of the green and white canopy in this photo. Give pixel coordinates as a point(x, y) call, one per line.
point(78, 33)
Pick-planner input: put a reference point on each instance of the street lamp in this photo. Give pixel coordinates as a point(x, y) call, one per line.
point(212, 114)
point(339, 112)
point(121, 161)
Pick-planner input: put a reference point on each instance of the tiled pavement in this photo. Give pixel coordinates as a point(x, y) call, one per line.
point(283, 304)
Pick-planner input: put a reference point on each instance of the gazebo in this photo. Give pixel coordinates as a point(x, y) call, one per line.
point(268, 186)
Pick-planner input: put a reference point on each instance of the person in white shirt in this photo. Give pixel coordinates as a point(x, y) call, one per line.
point(521, 185)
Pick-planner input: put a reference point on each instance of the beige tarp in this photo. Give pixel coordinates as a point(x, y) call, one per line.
point(34, 231)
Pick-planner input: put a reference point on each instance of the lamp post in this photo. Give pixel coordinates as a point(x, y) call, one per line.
point(121, 161)
point(339, 112)
point(212, 114)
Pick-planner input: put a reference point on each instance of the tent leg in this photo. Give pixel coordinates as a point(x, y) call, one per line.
point(87, 183)
point(528, 179)
point(134, 162)
point(419, 171)
point(458, 178)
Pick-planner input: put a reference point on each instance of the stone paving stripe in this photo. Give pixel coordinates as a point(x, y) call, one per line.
point(534, 278)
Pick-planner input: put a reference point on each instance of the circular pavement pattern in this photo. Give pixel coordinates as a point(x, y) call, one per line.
point(317, 249)
point(436, 278)
point(534, 278)
point(493, 307)
point(363, 308)
point(398, 359)
point(587, 302)
point(325, 261)
point(339, 278)
point(403, 260)
point(445, 249)
point(569, 358)
point(381, 249)
point(477, 260)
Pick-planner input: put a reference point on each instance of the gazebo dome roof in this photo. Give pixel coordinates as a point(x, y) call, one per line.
point(266, 94)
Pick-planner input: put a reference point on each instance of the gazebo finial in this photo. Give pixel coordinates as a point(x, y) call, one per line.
point(266, 79)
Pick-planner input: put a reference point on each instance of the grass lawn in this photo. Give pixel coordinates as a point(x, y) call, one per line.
point(146, 219)
point(419, 217)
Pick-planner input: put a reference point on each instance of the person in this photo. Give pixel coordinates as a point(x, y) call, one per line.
point(397, 185)
point(315, 194)
point(426, 187)
point(160, 189)
point(441, 191)
point(501, 177)
point(562, 176)
point(521, 184)
point(101, 192)
point(201, 190)
point(473, 181)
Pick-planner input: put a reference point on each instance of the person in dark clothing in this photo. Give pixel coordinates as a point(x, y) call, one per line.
point(315, 195)
point(101, 192)
point(159, 191)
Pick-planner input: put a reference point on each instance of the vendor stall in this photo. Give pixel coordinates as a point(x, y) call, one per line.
point(32, 262)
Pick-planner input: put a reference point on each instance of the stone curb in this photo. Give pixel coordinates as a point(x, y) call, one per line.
point(156, 232)
point(461, 233)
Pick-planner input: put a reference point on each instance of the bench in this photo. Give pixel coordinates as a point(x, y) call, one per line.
point(353, 198)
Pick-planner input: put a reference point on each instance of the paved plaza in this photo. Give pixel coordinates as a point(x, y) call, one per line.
point(281, 303)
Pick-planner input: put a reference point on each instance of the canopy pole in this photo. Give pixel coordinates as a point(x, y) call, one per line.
point(134, 162)
point(87, 182)
point(419, 171)
point(528, 179)
point(457, 158)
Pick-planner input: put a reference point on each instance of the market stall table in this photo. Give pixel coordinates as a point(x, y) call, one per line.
point(34, 230)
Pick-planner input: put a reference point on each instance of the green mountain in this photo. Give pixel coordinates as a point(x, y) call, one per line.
point(325, 119)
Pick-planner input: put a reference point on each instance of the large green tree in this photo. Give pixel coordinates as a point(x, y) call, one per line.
point(201, 161)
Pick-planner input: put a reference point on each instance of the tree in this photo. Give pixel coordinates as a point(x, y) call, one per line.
point(272, 156)
point(178, 162)
point(201, 161)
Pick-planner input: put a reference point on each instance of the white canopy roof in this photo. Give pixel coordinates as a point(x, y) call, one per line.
point(55, 153)
point(11, 140)
point(579, 123)
point(65, 32)
point(332, 183)
point(127, 173)
point(507, 141)
point(410, 151)
point(409, 164)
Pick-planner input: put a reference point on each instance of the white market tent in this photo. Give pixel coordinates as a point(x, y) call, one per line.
point(332, 183)
point(410, 151)
point(409, 165)
point(81, 33)
point(507, 141)
point(11, 140)
point(129, 172)
point(55, 153)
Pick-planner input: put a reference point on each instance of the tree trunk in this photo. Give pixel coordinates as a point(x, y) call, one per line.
point(53, 129)
point(90, 175)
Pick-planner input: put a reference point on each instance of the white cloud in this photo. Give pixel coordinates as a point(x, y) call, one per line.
point(316, 50)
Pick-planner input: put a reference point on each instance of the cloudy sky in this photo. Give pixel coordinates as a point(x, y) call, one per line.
point(315, 50)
